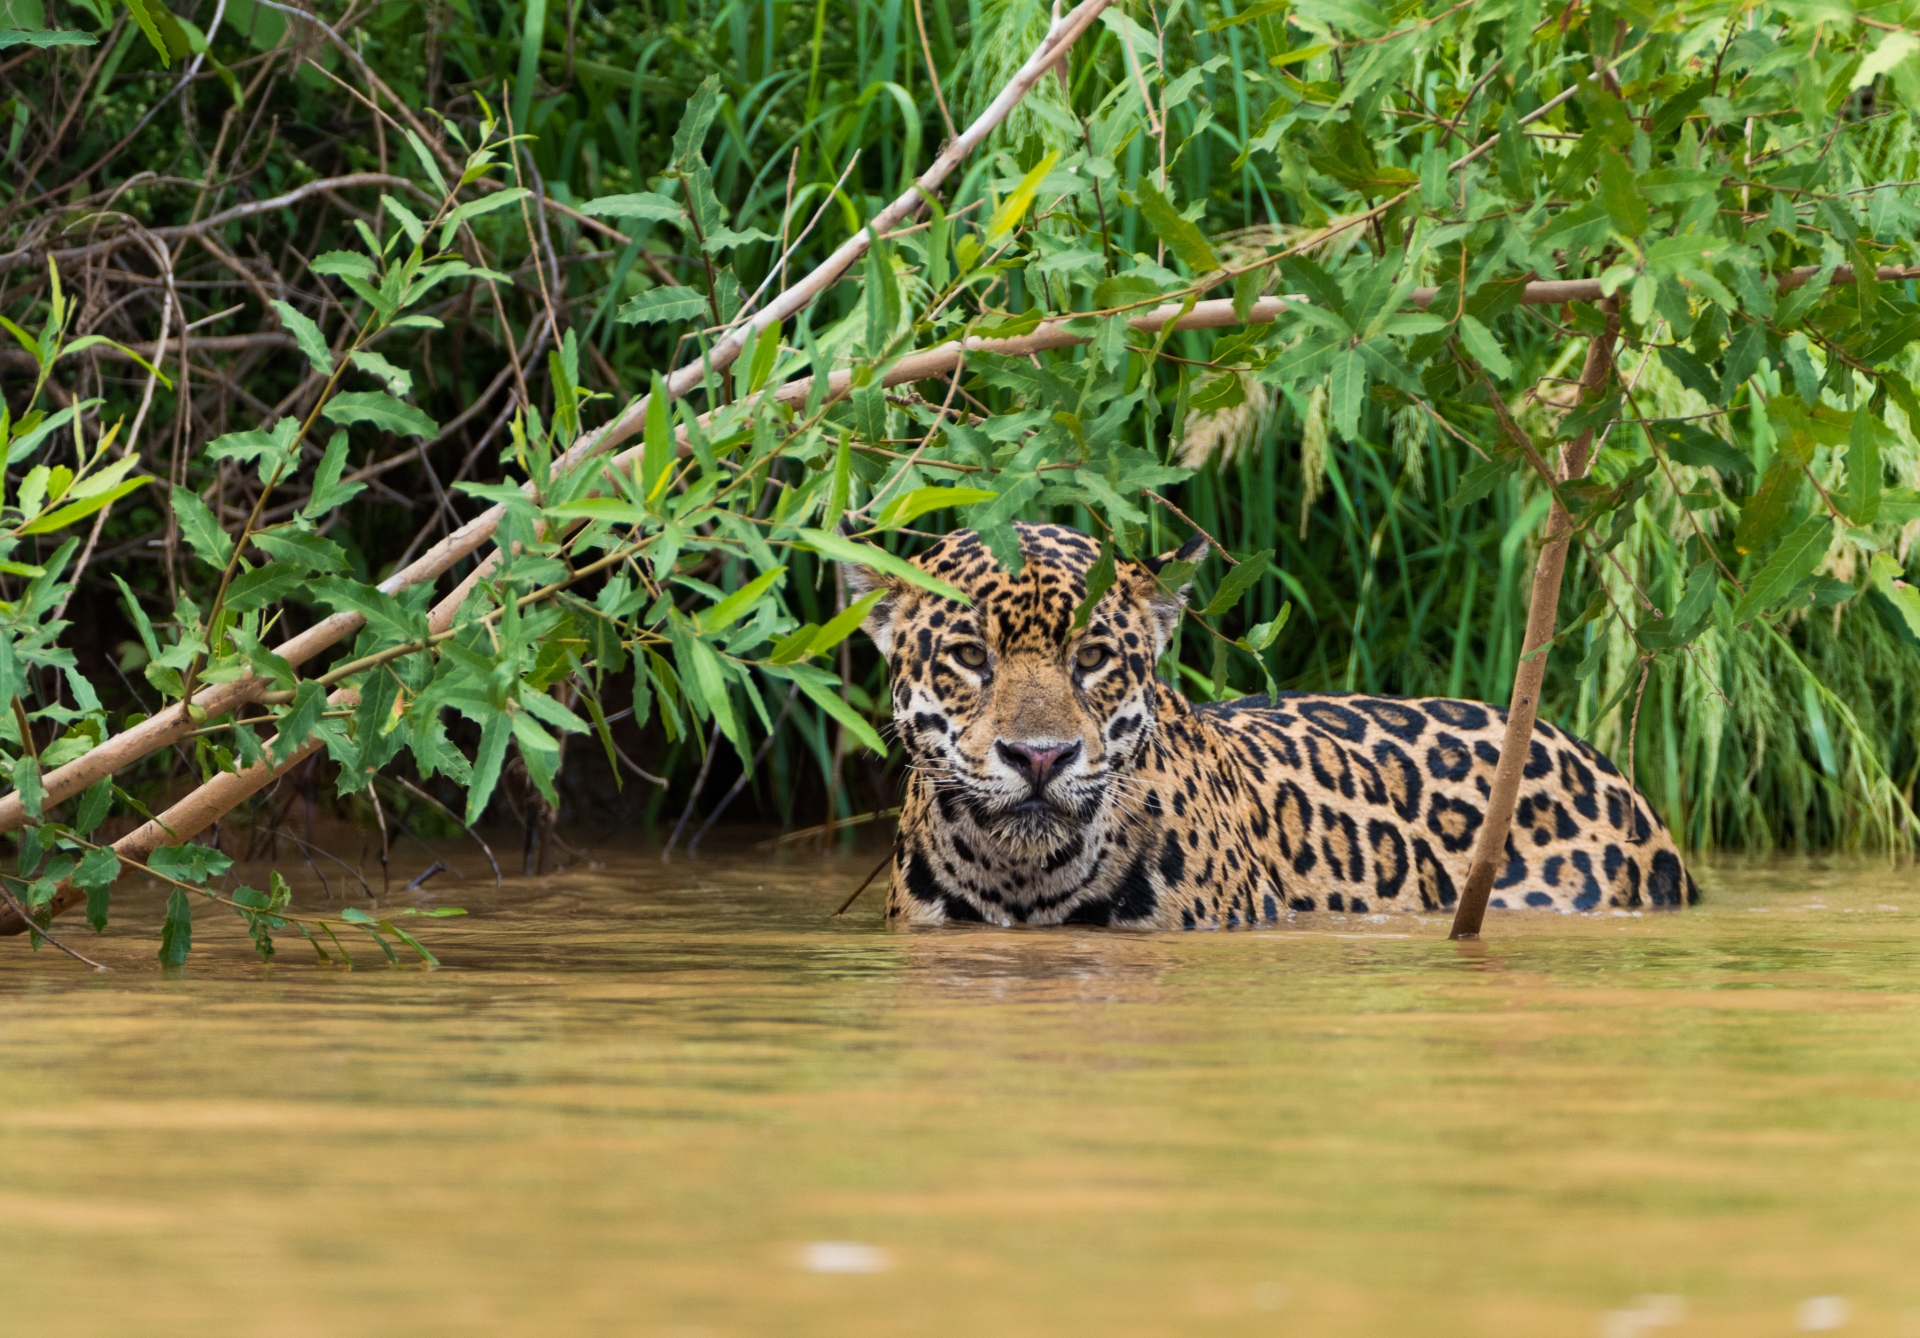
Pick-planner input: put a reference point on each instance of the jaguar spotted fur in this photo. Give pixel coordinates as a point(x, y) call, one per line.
point(1054, 780)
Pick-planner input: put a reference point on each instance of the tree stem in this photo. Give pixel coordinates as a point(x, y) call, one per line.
point(1489, 852)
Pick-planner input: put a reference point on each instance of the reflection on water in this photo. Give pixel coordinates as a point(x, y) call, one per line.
point(682, 1101)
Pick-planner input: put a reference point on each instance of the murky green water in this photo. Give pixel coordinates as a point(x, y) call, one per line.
point(647, 1101)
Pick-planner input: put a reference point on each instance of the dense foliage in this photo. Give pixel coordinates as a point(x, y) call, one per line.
point(293, 299)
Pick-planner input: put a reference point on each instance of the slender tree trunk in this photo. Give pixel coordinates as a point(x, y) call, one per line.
point(1489, 852)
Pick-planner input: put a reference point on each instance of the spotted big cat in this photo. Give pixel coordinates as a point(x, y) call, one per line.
point(1053, 779)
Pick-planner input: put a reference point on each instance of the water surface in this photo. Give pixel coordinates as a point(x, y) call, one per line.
point(684, 1101)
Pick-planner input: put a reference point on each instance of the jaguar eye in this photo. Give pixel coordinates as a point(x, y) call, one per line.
point(1092, 657)
point(972, 655)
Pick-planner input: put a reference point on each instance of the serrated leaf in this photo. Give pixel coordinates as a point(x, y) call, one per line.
point(328, 491)
point(264, 585)
point(1182, 238)
point(299, 722)
point(211, 544)
point(662, 304)
point(309, 552)
point(45, 37)
point(644, 206)
point(307, 335)
point(389, 619)
point(189, 863)
point(1238, 580)
point(398, 380)
point(1792, 562)
point(1625, 207)
point(95, 803)
point(176, 932)
point(1486, 350)
point(382, 411)
point(270, 452)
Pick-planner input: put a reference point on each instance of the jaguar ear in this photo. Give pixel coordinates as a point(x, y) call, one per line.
point(863, 581)
point(1167, 605)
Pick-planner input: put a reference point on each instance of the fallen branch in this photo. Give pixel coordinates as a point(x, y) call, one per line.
point(174, 722)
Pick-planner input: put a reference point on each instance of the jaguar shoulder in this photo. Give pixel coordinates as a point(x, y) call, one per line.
point(1052, 779)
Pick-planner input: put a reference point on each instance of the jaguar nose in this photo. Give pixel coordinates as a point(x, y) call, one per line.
point(1037, 763)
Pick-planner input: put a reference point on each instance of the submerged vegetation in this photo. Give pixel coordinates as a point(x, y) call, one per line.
point(310, 310)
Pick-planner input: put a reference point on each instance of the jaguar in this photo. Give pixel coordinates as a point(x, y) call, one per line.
point(1054, 779)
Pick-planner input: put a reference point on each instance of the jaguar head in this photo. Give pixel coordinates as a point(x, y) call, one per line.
point(1026, 727)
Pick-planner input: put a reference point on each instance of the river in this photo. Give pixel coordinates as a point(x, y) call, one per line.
point(684, 1101)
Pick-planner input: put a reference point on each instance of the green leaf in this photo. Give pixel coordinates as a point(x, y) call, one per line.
point(1792, 562)
point(381, 410)
point(1181, 237)
point(141, 623)
point(307, 551)
point(1238, 580)
point(1691, 445)
point(95, 802)
point(1100, 579)
point(842, 482)
point(26, 783)
point(299, 722)
point(66, 515)
point(486, 204)
point(1012, 209)
point(189, 863)
point(1125, 290)
point(1691, 372)
point(881, 297)
point(307, 335)
point(95, 875)
point(1347, 391)
point(1771, 503)
point(162, 29)
point(1864, 478)
point(270, 452)
point(823, 696)
point(662, 304)
point(1263, 634)
point(656, 461)
point(1887, 580)
point(694, 122)
point(909, 507)
point(264, 585)
point(390, 620)
point(1483, 478)
point(1621, 198)
point(644, 207)
point(328, 491)
point(176, 933)
point(398, 380)
point(495, 734)
point(45, 37)
point(880, 560)
point(202, 532)
point(729, 610)
point(1485, 348)
point(843, 624)
point(1742, 359)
